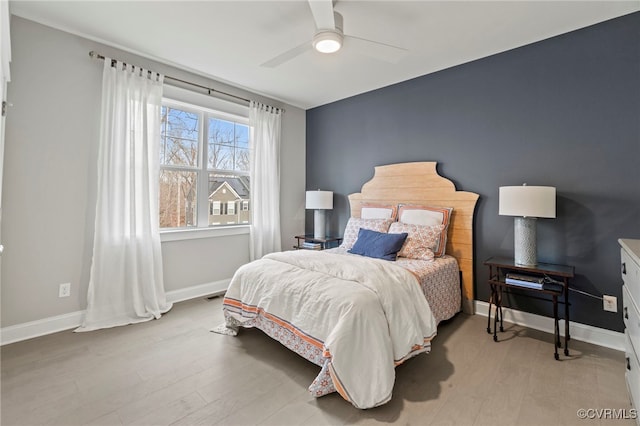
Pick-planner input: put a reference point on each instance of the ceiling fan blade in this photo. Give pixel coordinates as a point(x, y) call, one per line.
point(288, 55)
point(376, 50)
point(322, 11)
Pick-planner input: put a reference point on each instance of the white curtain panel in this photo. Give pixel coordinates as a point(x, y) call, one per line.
point(5, 48)
point(265, 179)
point(126, 283)
point(5, 77)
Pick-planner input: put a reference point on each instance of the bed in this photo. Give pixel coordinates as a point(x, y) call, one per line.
point(349, 310)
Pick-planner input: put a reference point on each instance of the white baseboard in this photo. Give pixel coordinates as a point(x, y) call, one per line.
point(50, 325)
point(31, 329)
point(208, 289)
point(582, 332)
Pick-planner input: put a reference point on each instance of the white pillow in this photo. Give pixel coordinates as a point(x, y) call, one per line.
point(378, 211)
point(424, 215)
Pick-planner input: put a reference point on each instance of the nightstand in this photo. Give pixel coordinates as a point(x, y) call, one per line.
point(630, 273)
point(553, 284)
point(316, 243)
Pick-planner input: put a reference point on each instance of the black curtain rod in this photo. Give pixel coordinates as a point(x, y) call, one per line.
point(209, 90)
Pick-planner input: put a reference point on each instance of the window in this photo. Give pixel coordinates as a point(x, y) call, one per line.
point(204, 167)
point(215, 208)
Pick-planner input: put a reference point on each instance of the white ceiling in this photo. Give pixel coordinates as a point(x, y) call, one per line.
point(229, 40)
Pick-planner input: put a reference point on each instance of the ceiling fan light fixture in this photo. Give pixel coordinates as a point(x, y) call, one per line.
point(329, 41)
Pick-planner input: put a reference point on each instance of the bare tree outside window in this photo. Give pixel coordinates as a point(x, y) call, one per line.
point(227, 162)
point(177, 199)
point(179, 160)
point(228, 146)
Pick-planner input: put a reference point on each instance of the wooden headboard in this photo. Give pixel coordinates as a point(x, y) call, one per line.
point(419, 183)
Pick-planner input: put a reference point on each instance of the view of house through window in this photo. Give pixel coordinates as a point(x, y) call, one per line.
point(189, 135)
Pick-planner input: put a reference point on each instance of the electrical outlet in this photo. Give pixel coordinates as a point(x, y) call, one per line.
point(610, 303)
point(64, 290)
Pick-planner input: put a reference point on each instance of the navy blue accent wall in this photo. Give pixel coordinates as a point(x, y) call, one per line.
point(563, 112)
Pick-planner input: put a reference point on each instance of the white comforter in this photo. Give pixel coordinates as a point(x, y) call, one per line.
point(369, 315)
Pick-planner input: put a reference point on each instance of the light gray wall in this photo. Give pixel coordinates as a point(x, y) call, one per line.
point(50, 178)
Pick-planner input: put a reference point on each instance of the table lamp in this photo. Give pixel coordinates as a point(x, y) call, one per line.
point(527, 203)
point(319, 201)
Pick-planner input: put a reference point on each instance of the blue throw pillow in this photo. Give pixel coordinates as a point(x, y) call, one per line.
point(378, 244)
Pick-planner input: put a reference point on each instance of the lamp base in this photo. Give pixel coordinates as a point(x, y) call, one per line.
point(525, 250)
point(319, 230)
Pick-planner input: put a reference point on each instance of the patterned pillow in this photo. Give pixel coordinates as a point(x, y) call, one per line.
point(428, 216)
point(355, 223)
point(421, 242)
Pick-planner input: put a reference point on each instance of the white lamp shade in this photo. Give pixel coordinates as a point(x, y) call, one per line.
point(319, 200)
point(527, 201)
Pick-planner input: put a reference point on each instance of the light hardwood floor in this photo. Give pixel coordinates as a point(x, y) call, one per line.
point(173, 371)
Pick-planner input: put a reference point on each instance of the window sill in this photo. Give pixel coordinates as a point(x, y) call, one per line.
point(196, 233)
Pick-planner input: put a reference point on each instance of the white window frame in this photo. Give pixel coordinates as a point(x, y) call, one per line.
point(215, 108)
point(216, 206)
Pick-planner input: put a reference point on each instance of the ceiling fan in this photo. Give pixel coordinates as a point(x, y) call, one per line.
point(329, 38)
